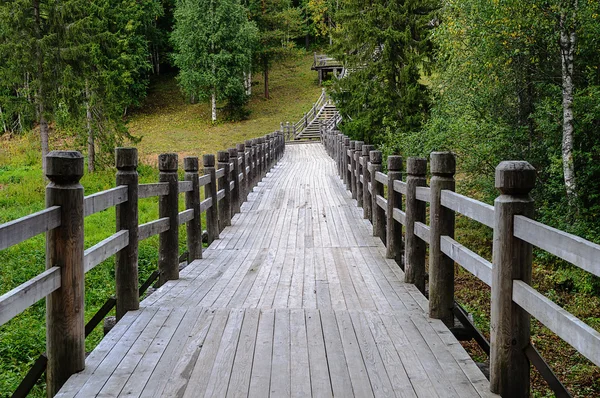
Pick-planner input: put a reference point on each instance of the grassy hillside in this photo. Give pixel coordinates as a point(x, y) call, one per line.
point(166, 123)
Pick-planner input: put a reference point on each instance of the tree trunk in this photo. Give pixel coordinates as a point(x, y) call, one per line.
point(40, 92)
point(90, 141)
point(3, 121)
point(213, 101)
point(266, 77)
point(248, 82)
point(567, 51)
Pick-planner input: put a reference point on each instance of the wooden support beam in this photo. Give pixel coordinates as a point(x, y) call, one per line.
point(512, 258)
point(192, 202)
point(65, 327)
point(168, 206)
point(441, 267)
point(394, 201)
point(414, 257)
point(126, 260)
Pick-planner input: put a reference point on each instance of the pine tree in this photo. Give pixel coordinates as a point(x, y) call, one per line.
point(213, 42)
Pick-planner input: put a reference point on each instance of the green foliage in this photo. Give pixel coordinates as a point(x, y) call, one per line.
point(385, 46)
point(213, 43)
point(73, 57)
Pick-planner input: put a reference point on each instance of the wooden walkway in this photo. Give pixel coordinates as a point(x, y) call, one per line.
point(295, 299)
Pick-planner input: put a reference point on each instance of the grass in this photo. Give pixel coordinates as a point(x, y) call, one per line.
point(166, 123)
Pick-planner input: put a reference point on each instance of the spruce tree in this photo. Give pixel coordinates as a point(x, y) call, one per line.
point(386, 47)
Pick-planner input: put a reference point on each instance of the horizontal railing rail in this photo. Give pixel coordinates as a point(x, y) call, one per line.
point(508, 275)
point(239, 170)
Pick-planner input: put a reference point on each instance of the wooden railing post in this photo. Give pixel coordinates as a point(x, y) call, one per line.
point(378, 212)
point(261, 158)
point(250, 175)
point(255, 158)
point(415, 248)
point(210, 191)
point(352, 174)
point(126, 260)
point(235, 194)
point(265, 155)
point(168, 206)
point(263, 163)
point(346, 173)
point(357, 155)
point(441, 267)
point(65, 331)
point(512, 257)
point(192, 201)
point(338, 158)
point(367, 200)
point(394, 201)
point(225, 205)
point(244, 183)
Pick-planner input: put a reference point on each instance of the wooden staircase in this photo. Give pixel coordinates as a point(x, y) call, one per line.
point(323, 115)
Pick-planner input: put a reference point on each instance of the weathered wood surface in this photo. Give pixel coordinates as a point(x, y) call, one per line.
point(296, 298)
point(571, 248)
point(17, 231)
point(13, 302)
point(100, 201)
point(105, 249)
point(155, 189)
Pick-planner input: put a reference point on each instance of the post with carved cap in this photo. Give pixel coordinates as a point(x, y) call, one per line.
point(126, 260)
point(394, 201)
point(65, 330)
point(235, 177)
point(512, 257)
point(168, 206)
point(415, 248)
point(346, 173)
point(260, 156)
point(250, 176)
point(192, 201)
point(210, 191)
point(441, 267)
point(244, 183)
point(263, 158)
point(352, 175)
point(377, 189)
point(255, 158)
point(341, 157)
point(367, 200)
point(359, 186)
point(224, 185)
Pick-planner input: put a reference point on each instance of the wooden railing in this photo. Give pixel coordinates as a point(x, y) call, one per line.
point(513, 299)
point(292, 131)
point(226, 186)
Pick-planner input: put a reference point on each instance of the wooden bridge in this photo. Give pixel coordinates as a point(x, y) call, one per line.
point(300, 292)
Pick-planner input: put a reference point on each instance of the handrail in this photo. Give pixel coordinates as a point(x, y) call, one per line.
point(65, 239)
point(444, 251)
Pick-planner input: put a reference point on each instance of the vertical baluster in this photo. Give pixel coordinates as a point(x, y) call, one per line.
point(168, 206)
point(192, 201)
point(414, 257)
point(65, 331)
point(512, 258)
point(126, 260)
point(441, 267)
point(394, 228)
point(210, 191)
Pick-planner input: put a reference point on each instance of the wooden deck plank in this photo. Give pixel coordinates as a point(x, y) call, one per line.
point(239, 383)
point(296, 298)
point(260, 382)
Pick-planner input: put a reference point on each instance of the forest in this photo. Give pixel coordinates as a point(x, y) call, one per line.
point(489, 80)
